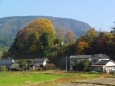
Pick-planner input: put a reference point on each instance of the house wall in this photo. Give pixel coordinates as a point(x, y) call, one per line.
point(44, 63)
point(38, 64)
point(97, 68)
point(108, 69)
point(94, 60)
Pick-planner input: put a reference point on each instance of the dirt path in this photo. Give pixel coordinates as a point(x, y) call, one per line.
point(92, 82)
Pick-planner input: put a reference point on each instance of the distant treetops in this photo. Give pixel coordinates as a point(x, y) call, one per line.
point(38, 35)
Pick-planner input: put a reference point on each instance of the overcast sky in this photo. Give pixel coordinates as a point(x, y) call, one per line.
point(97, 13)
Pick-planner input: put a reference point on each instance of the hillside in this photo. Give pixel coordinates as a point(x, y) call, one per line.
point(9, 26)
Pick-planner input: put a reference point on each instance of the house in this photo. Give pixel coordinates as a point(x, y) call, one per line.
point(9, 63)
point(104, 66)
point(99, 62)
point(12, 65)
point(77, 58)
point(38, 62)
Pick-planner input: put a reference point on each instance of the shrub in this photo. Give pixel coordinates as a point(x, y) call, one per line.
point(93, 72)
point(82, 65)
point(3, 68)
point(113, 73)
point(22, 64)
point(39, 68)
point(50, 66)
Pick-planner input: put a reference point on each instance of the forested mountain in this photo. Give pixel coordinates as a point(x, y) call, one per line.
point(9, 26)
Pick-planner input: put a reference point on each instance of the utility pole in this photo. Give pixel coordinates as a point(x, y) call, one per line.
point(66, 63)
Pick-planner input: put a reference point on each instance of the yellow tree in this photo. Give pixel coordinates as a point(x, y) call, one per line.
point(28, 38)
point(81, 46)
point(42, 25)
point(69, 38)
point(91, 34)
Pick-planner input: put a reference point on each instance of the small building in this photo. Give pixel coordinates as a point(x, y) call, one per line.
point(104, 66)
point(38, 62)
point(99, 62)
point(9, 63)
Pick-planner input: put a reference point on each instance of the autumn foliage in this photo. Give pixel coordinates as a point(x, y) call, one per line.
point(96, 42)
point(34, 37)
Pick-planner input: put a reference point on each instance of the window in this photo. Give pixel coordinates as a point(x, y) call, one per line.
point(94, 61)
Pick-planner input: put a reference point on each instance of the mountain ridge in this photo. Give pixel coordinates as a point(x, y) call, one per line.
point(9, 26)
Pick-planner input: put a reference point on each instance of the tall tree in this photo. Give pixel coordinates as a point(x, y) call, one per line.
point(60, 33)
point(69, 38)
point(81, 46)
point(91, 34)
point(38, 33)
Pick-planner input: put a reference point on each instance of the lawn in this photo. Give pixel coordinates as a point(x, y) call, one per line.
point(32, 78)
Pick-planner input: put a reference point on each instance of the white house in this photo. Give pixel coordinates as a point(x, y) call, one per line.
point(104, 66)
point(38, 62)
point(99, 62)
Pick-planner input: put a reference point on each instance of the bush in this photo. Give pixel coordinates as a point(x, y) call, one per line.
point(22, 64)
point(3, 69)
point(39, 68)
point(113, 73)
point(50, 66)
point(82, 65)
point(93, 72)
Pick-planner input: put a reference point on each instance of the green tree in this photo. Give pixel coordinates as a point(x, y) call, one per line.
point(91, 34)
point(82, 65)
point(45, 40)
point(57, 41)
point(22, 64)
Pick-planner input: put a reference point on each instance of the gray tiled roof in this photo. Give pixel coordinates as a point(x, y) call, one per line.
point(102, 62)
point(38, 60)
point(101, 56)
point(81, 56)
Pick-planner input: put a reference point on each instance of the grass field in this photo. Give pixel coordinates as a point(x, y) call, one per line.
point(40, 78)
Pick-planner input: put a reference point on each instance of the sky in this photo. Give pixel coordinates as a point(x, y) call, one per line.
point(99, 14)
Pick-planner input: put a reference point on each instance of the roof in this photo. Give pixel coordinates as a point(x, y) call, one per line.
point(81, 56)
point(38, 60)
point(101, 56)
point(102, 62)
point(6, 61)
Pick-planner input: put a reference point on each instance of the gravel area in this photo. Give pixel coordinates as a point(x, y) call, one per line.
point(78, 84)
point(105, 81)
point(92, 82)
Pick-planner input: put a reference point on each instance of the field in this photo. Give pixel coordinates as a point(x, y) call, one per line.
point(44, 78)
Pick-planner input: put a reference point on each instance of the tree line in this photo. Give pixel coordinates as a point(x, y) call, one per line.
point(40, 38)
